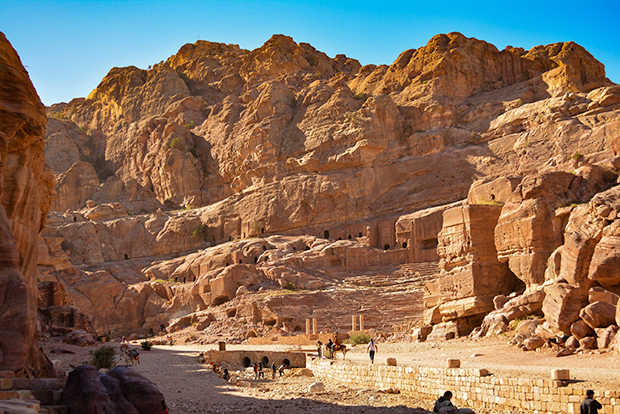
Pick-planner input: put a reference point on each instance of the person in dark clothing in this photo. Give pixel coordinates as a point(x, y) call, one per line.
point(589, 405)
point(226, 375)
point(443, 401)
point(273, 370)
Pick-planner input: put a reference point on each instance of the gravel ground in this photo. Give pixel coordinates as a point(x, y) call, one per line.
point(191, 387)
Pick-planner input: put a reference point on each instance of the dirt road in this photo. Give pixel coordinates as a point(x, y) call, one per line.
point(191, 387)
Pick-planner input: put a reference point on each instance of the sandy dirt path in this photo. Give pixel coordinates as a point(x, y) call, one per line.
point(191, 387)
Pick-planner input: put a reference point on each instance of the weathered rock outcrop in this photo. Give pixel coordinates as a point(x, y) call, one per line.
point(215, 123)
point(26, 193)
point(285, 140)
point(121, 390)
point(471, 274)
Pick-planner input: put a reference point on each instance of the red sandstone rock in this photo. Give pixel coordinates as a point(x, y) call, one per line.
point(605, 264)
point(283, 139)
point(533, 343)
point(121, 390)
point(572, 343)
point(589, 342)
point(562, 305)
point(599, 314)
point(606, 338)
point(600, 294)
point(26, 189)
point(79, 338)
point(580, 329)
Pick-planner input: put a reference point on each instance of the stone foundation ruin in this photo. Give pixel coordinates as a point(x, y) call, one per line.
point(247, 358)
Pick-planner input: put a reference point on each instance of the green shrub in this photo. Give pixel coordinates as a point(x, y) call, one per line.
point(577, 156)
point(198, 233)
point(312, 60)
point(146, 345)
point(359, 338)
point(361, 96)
point(190, 125)
point(176, 142)
point(103, 357)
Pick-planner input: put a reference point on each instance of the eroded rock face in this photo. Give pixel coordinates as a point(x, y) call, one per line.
point(215, 123)
point(26, 193)
point(471, 275)
point(285, 140)
point(532, 222)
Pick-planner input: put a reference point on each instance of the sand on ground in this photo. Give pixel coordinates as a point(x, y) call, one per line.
point(192, 387)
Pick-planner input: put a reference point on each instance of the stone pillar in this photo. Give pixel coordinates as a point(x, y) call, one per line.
point(361, 322)
point(353, 323)
point(314, 326)
point(308, 332)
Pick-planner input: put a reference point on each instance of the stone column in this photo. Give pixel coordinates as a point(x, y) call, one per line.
point(308, 326)
point(361, 322)
point(314, 326)
point(353, 323)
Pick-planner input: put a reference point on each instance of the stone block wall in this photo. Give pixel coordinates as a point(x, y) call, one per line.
point(247, 358)
point(472, 387)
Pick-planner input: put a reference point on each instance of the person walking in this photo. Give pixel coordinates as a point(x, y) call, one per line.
point(589, 405)
point(372, 348)
point(255, 366)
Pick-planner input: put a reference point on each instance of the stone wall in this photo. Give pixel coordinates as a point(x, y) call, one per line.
point(302, 339)
point(473, 387)
point(247, 358)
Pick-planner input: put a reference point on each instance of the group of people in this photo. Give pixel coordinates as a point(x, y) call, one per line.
point(258, 370)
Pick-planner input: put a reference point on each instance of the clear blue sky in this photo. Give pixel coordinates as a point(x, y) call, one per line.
point(69, 46)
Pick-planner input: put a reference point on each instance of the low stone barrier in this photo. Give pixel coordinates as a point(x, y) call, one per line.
point(472, 387)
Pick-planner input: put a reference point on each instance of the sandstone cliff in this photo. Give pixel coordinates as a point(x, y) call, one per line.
point(229, 128)
point(286, 140)
point(26, 193)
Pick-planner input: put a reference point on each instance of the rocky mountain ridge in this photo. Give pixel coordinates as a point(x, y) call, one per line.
point(186, 188)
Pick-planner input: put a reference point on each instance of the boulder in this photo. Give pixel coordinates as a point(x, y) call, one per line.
point(580, 329)
point(581, 235)
point(589, 342)
point(79, 338)
point(121, 390)
point(499, 301)
point(605, 264)
point(533, 343)
point(606, 338)
point(600, 294)
point(599, 314)
point(226, 284)
point(572, 343)
point(562, 305)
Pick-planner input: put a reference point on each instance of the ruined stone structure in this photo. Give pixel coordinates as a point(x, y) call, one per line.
point(247, 358)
